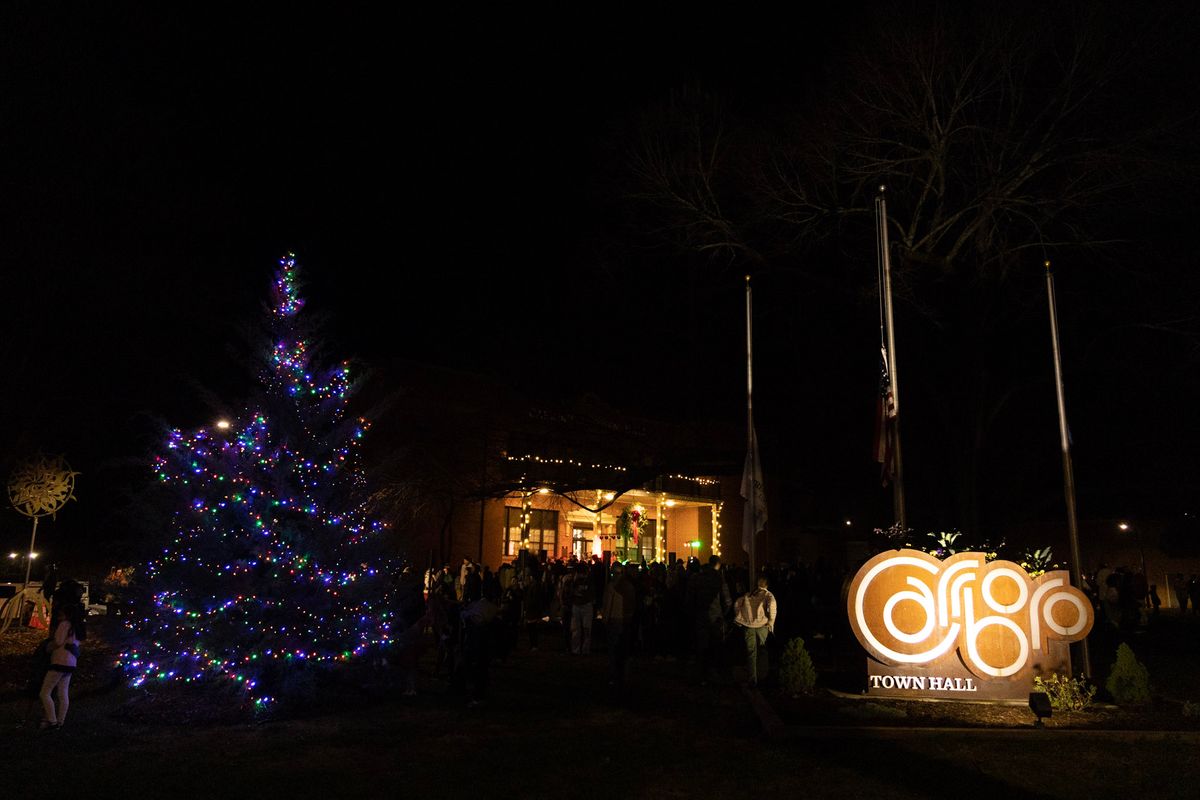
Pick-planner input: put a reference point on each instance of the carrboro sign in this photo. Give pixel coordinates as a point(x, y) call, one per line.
point(963, 628)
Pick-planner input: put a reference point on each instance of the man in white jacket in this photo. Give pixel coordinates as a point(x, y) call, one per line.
point(755, 613)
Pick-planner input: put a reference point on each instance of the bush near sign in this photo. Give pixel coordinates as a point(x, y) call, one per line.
point(963, 628)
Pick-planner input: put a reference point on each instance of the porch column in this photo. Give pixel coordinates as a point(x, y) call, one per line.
point(715, 509)
point(659, 527)
point(598, 527)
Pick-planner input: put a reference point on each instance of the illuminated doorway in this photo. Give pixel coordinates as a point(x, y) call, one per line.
point(581, 540)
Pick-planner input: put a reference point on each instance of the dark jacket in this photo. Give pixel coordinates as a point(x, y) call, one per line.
point(620, 600)
point(708, 597)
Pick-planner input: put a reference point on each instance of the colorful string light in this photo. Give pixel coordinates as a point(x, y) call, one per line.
point(264, 572)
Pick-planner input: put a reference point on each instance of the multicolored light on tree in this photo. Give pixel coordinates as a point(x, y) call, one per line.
point(268, 570)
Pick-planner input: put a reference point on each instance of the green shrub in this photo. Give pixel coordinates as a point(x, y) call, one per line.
point(1066, 693)
point(1128, 680)
point(796, 671)
point(1191, 709)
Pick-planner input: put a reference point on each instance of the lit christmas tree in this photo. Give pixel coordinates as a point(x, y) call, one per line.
point(270, 576)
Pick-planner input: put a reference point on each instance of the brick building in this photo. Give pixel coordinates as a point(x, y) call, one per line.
point(471, 467)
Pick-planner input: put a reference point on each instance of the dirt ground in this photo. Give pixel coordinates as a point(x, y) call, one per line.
point(549, 727)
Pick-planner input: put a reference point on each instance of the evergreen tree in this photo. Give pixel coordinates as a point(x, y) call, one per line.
point(269, 578)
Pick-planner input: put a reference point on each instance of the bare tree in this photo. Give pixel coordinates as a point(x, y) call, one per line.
point(1000, 143)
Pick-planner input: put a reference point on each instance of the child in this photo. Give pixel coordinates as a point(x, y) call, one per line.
point(70, 628)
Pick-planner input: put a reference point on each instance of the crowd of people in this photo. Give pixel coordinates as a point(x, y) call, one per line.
point(1125, 600)
point(706, 614)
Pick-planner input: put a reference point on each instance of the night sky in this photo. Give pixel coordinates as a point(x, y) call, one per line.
point(446, 179)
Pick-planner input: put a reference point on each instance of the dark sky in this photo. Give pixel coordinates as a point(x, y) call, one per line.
point(430, 169)
point(159, 163)
point(437, 174)
point(434, 173)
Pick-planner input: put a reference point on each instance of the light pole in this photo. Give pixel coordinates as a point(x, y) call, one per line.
point(1124, 527)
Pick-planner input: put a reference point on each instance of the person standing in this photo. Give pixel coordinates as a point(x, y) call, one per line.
point(755, 614)
point(565, 594)
point(70, 628)
point(460, 586)
point(478, 625)
point(707, 601)
point(533, 607)
point(617, 611)
point(582, 611)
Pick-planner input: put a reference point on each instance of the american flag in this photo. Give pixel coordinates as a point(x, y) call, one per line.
point(754, 515)
point(885, 416)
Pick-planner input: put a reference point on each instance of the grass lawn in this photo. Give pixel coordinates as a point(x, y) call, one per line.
point(550, 729)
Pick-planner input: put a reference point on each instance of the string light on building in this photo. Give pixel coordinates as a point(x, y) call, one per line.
point(660, 544)
point(700, 481)
point(569, 461)
point(526, 518)
point(716, 527)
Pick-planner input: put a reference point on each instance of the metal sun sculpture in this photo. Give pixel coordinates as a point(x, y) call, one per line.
point(41, 487)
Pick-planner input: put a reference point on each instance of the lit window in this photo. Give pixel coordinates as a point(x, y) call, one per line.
point(543, 531)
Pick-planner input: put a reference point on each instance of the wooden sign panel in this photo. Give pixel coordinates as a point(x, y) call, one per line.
point(962, 628)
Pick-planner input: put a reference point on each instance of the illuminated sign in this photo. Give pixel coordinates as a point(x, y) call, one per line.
point(962, 627)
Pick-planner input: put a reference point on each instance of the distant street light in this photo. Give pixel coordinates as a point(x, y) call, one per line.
point(15, 560)
point(1125, 527)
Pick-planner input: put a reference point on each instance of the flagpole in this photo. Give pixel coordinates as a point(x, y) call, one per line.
point(1068, 471)
point(750, 443)
point(881, 240)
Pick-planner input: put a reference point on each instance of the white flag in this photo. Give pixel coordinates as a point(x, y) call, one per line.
point(754, 518)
